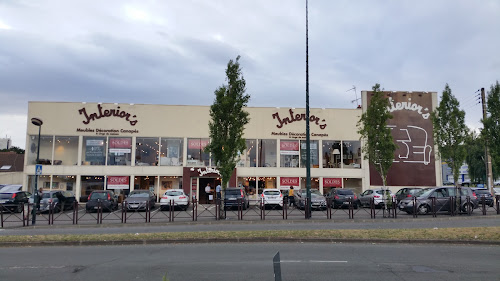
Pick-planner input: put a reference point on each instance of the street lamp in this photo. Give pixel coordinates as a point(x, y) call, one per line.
point(37, 122)
point(308, 145)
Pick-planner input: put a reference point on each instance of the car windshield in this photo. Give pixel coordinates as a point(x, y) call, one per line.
point(424, 193)
point(414, 191)
point(174, 193)
point(345, 192)
point(99, 195)
point(271, 192)
point(139, 195)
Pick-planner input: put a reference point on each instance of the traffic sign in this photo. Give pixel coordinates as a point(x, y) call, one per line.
point(38, 170)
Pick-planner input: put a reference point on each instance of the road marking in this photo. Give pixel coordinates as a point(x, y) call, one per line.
point(34, 267)
point(312, 261)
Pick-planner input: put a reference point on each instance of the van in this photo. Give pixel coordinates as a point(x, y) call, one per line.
point(443, 197)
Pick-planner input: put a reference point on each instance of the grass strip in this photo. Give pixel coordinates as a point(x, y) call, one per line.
point(463, 234)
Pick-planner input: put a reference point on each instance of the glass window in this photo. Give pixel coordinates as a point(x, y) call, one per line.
point(266, 182)
point(94, 151)
point(267, 153)
point(351, 154)
point(145, 183)
point(171, 152)
point(331, 154)
point(46, 145)
point(146, 151)
point(248, 184)
point(172, 182)
point(314, 153)
point(65, 151)
point(314, 183)
point(119, 151)
point(64, 182)
point(249, 157)
point(289, 153)
point(89, 184)
point(353, 183)
point(196, 154)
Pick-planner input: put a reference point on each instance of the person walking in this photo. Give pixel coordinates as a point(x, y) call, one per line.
point(208, 192)
point(218, 190)
point(290, 196)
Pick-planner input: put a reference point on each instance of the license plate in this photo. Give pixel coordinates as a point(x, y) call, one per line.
point(96, 207)
point(345, 203)
point(272, 197)
point(2, 201)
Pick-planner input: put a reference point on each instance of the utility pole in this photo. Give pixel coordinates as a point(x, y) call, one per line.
point(489, 171)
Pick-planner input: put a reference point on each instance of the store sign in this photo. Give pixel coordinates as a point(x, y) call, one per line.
point(289, 181)
point(197, 143)
point(282, 120)
point(121, 182)
point(289, 147)
point(332, 182)
point(208, 170)
point(115, 112)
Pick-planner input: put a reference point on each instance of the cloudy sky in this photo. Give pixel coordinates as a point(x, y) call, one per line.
point(175, 52)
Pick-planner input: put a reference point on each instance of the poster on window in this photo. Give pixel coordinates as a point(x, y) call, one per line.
point(120, 145)
point(94, 150)
point(118, 182)
point(332, 182)
point(286, 182)
point(289, 147)
point(314, 153)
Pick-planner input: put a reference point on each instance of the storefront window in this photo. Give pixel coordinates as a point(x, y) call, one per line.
point(120, 185)
point(167, 183)
point(94, 151)
point(266, 182)
point(64, 182)
point(196, 155)
point(314, 183)
point(331, 154)
point(119, 151)
point(267, 153)
point(171, 152)
point(44, 182)
point(89, 184)
point(146, 151)
point(354, 184)
point(145, 183)
point(46, 144)
point(351, 154)
point(314, 153)
point(248, 184)
point(289, 154)
point(65, 151)
point(329, 183)
point(249, 157)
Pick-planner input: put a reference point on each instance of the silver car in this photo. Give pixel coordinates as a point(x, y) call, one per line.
point(318, 201)
point(380, 197)
point(138, 200)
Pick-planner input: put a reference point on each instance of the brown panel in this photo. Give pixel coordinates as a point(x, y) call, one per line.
point(411, 125)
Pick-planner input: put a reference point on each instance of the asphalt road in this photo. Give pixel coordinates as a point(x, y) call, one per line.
point(253, 261)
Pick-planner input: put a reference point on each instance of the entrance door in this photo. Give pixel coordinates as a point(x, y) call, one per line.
point(204, 197)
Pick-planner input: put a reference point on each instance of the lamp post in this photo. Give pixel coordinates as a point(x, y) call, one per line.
point(308, 146)
point(37, 122)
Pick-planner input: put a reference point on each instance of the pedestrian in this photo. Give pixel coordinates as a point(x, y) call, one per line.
point(208, 191)
point(218, 190)
point(290, 196)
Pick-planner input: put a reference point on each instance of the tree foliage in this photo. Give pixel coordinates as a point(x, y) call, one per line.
point(15, 149)
point(378, 144)
point(491, 129)
point(474, 146)
point(450, 132)
point(228, 119)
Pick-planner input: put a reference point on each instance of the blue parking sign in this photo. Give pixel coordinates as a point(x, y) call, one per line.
point(38, 170)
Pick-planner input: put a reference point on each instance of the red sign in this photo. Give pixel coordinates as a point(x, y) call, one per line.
point(332, 182)
point(198, 143)
point(120, 142)
point(121, 182)
point(289, 145)
point(289, 181)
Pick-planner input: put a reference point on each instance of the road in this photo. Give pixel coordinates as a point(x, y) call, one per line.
point(253, 261)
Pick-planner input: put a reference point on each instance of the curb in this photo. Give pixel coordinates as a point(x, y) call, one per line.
point(242, 240)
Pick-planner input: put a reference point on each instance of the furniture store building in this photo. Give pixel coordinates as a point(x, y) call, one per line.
point(93, 146)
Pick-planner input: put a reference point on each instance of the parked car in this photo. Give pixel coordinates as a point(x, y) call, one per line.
point(340, 198)
point(496, 190)
point(138, 200)
point(380, 197)
point(272, 197)
point(178, 197)
point(60, 199)
point(11, 188)
point(13, 201)
point(318, 201)
point(231, 196)
point(406, 192)
point(488, 198)
point(108, 199)
point(443, 202)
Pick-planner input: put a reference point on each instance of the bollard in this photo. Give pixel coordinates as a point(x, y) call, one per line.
point(483, 201)
point(433, 202)
point(414, 207)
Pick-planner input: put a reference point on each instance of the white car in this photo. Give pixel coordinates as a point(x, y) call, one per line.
point(272, 197)
point(496, 190)
point(178, 198)
point(379, 196)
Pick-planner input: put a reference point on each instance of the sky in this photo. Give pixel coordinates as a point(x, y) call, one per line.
point(176, 52)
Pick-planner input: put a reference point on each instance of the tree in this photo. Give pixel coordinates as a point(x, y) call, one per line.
point(378, 144)
point(450, 132)
point(474, 146)
point(491, 129)
point(228, 119)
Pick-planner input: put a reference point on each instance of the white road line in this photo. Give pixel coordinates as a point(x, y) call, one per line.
point(33, 267)
point(312, 261)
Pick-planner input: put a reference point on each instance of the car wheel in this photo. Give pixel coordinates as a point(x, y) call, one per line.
point(470, 206)
point(19, 209)
point(423, 209)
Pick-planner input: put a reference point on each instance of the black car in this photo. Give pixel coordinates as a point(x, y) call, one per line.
point(233, 195)
point(108, 199)
point(340, 198)
point(488, 198)
point(60, 200)
point(14, 201)
point(406, 192)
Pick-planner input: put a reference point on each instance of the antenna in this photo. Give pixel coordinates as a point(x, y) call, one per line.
point(355, 94)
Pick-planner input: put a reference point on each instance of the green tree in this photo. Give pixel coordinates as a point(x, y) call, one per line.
point(491, 129)
point(15, 149)
point(450, 132)
point(378, 144)
point(474, 146)
point(228, 120)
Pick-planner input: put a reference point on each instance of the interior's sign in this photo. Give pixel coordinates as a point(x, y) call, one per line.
point(106, 113)
point(208, 170)
point(298, 117)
